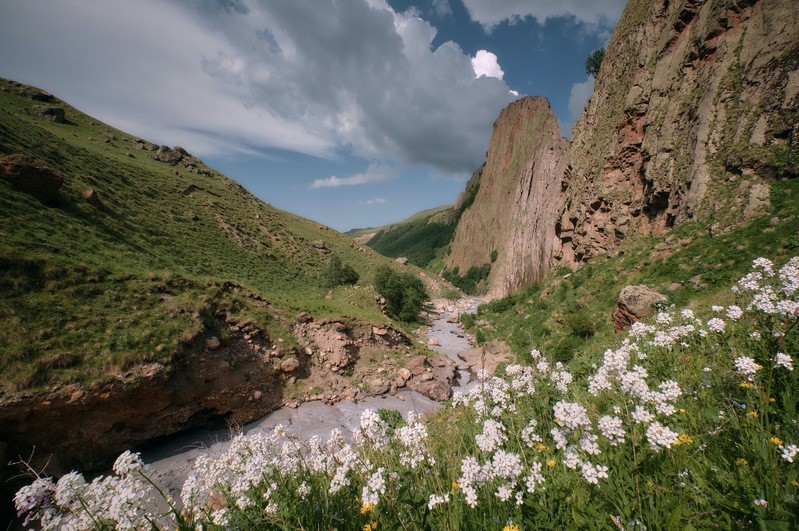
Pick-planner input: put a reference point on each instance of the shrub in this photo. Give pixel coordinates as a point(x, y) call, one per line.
point(404, 293)
point(337, 274)
point(594, 61)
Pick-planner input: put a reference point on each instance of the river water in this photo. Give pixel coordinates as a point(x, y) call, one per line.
point(171, 460)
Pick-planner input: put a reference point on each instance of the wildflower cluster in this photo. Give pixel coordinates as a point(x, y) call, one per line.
point(689, 416)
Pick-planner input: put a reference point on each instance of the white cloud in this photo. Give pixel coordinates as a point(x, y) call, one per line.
point(485, 63)
point(578, 97)
point(326, 78)
point(375, 173)
point(491, 13)
point(375, 201)
point(442, 7)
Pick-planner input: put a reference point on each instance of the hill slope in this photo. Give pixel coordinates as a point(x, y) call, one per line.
point(151, 293)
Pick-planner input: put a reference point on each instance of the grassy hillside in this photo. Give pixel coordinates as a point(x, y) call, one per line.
point(424, 214)
point(422, 238)
point(569, 314)
point(86, 291)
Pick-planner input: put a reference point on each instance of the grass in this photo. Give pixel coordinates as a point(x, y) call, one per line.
point(543, 315)
point(92, 291)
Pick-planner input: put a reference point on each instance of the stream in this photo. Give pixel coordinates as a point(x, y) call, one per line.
point(172, 460)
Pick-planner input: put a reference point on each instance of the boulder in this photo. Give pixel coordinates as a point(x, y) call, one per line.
point(50, 113)
point(433, 342)
point(212, 343)
point(91, 196)
point(635, 302)
point(432, 389)
point(319, 244)
point(30, 176)
point(402, 260)
point(289, 364)
point(37, 95)
point(454, 317)
point(168, 155)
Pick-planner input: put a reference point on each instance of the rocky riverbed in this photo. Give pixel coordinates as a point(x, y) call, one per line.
point(172, 458)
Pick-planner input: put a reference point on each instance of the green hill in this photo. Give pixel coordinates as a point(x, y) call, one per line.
point(88, 289)
point(422, 238)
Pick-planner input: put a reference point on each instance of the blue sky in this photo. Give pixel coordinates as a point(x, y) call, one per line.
point(350, 112)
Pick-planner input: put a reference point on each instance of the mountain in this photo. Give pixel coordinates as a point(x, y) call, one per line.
point(693, 118)
point(142, 293)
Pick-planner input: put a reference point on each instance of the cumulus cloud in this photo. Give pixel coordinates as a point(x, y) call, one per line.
point(375, 173)
point(375, 201)
point(491, 13)
point(486, 64)
point(326, 78)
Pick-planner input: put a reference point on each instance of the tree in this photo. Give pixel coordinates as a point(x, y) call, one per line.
point(404, 293)
point(594, 61)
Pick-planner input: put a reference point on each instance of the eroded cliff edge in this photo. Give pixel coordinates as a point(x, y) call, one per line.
point(694, 112)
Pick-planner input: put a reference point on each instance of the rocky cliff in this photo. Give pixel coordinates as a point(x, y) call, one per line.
point(512, 218)
point(695, 111)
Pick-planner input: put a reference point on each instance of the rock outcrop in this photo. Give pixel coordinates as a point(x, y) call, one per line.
point(515, 209)
point(694, 111)
point(32, 177)
point(635, 303)
point(694, 103)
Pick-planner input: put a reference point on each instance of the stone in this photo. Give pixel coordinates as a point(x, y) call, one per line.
point(212, 343)
point(289, 364)
point(91, 196)
point(674, 286)
point(402, 260)
point(378, 387)
point(319, 244)
point(50, 113)
point(223, 366)
point(404, 374)
point(635, 302)
point(257, 395)
point(31, 177)
point(379, 331)
point(168, 155)
point(454, 317)
point(433, 342)
point(37, 95)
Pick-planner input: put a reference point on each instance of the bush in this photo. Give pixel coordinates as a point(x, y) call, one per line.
point(594, 61)
point(472, 283)
point(404, 293)
point(337, 274)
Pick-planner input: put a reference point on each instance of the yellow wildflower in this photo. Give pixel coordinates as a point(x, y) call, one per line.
point(683, 438)
point(776, 440)
point(455, 486)
point(741, 461)
point(752, 414)
point(772, 400)
point(367, 508)
point(795, 483)
point(541, 447)
point(551, 463)
point(511, 527)
point(745, 385)
point(371, 526)
point(759, 367)
point(682, 410)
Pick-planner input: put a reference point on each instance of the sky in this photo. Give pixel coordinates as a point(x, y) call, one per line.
point(354, 113)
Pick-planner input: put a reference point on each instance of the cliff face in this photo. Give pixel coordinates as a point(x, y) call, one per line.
point(695, 110)
point(516, 205)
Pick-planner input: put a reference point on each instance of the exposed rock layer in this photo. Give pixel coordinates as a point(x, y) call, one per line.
point(516, 206)
point(694, 111)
